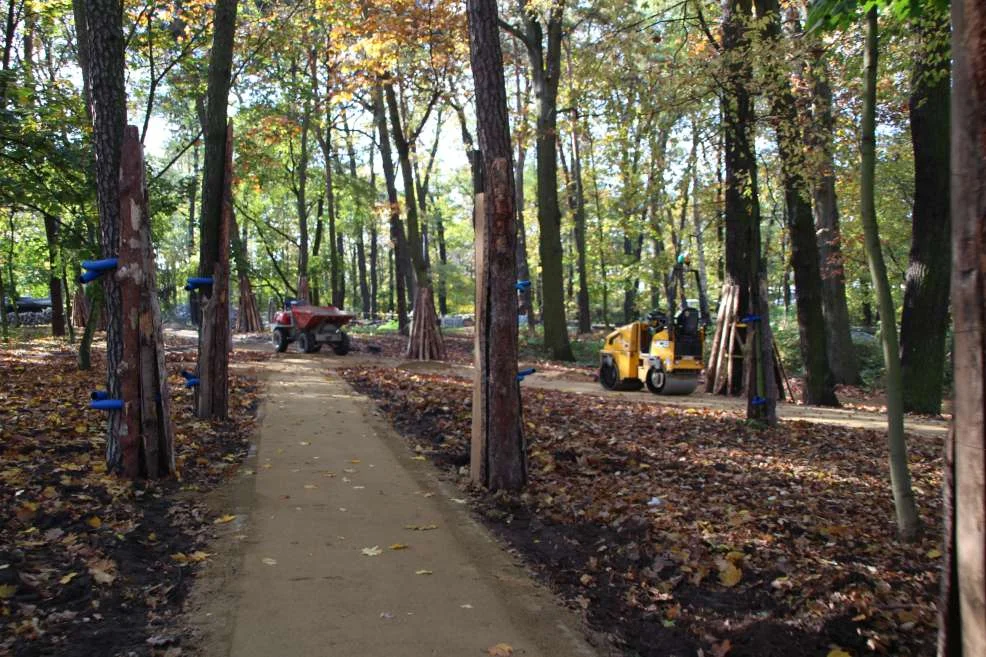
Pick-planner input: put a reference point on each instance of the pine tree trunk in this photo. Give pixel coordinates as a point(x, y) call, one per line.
point(147, 442)
point(924, 318)
point(962, 629)
point(907, 518)
point(104, 19)
point(499, 455)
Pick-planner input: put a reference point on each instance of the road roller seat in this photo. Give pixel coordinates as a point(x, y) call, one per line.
point(687, 340)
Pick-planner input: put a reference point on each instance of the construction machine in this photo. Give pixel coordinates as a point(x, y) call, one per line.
point(661, 353)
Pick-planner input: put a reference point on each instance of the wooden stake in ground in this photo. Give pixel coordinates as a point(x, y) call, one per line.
point(145, 432)
point(499, 455)
point(962, 625)
point(212, 400)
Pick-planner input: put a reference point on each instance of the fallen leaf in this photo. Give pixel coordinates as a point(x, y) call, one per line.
point(721, 649)
point(267, 561)
point(398, 546)
point(221, 520)
point(94, 522)
point(102, 571)
point(67, 578)
point(310, 486)
point(500, 650)
point(729, 575)
point(7, 591)
point(354, 460)
point(374, 551)
point(838, 652)
point(418, 458)
point(934, 554)
point(421, 528)
point(423, 572)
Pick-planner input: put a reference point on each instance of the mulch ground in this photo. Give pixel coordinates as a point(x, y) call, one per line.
point(680, 530)
point(91, 564)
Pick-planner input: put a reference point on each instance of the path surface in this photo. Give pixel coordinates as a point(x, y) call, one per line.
point(332, 480)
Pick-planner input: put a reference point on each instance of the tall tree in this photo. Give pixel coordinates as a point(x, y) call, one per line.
point(907, 518)
point(924, 318)
point(104, 26)
point(843, 362)
point(819, 387)
point(398, 242)
point(499, 455)
point(962, 618)
point(425, 340)
point(213, 391)
point(744, 266)
point(544, 54)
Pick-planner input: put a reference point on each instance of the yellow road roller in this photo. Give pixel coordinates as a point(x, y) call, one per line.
point(664, 355)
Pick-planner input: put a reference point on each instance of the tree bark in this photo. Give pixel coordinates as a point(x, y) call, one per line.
point(213, 362)
point(425, 341)
point(742, 216)
point(962, 631)
point(54, 284)
point(106, 75)
point(924, 318)
point(907, 518)
point(545, 61)
point(819, 388)
point(399, 247)
point(843, 362)
point(499, 454)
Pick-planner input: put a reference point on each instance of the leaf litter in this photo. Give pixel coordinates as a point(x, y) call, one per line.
point(88, 560)
point(763, 543)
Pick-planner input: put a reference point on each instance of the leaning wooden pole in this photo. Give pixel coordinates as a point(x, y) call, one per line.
point(146, 434)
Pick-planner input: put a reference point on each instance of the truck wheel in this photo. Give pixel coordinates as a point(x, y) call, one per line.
point(656, 380)
point(306, 342)
point(609, 378)
point(280, 339)
point(342, 347)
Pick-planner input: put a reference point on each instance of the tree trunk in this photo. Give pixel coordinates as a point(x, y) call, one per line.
point(213, 361)
point(585, 317)
point(924, 318)
point(499, 454)
point(192, 191)
point(546, 69)
point(819, 388)
point(92, 322)
point(907, 518)
point(147, 443)
point(843, 362)
point(54, 284)
point(962, 629)
point(703, 280)
point(526, 306)
point(339, 301)
point(425, 340)
point(106, 75)
point(248, 319)
point(301, 203)
point(742, 218)
point(399, 246)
